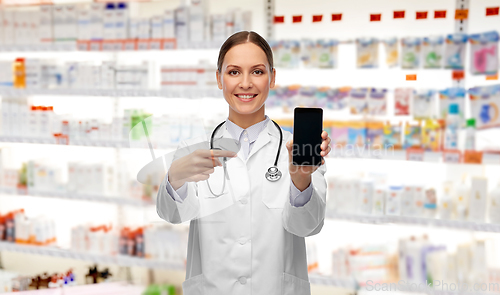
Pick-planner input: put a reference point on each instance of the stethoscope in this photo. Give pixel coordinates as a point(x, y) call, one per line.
point(273, 173)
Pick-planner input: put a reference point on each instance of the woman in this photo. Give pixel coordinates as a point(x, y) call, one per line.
point(250, 238)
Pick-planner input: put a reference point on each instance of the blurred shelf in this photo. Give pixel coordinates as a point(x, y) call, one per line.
point(401, 155)
point(348, 283)
point(63, 46)
point(96, 143)
point(120, 260)
point(184, 92)
point(114, 288)
point(76, 196)
point(408, 220)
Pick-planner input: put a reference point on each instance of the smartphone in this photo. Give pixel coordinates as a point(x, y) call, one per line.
point(307, 129)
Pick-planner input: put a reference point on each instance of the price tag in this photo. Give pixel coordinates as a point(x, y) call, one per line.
point(421, 15)
point(375, 17)
point(461, 14)
point(108, 46)
point(169, 44)
point(457, 75)
point(129, 45)
point(279, 19)
point(336, 17)
point(492, 77)
point(492, 11)
point(439, 13)
point(82, 45)
point(95, 46)
point(473, 157)
point(411, 77)
point(155, 44)
point(142, 45)
point(297, 18)
point(118, 46)
point(399, 14)
point(452, 156)
point(317, 18)
point(414, 154)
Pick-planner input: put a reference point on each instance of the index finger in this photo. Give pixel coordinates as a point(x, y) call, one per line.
point(220, 153)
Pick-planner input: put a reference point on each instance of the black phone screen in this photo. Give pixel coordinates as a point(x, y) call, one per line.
point(307, 129)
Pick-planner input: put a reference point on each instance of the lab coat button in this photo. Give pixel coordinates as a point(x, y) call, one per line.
point(243, 280)
point(244, 201)
point(242, 241)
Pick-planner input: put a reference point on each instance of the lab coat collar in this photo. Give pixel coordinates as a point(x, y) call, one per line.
point(263, 139)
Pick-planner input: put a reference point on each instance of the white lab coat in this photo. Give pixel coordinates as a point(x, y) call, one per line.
point(250, 240)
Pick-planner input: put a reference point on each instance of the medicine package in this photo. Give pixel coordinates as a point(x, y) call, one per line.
point(485, 106)
point(391, 52)
point(358, 101)
point(367, 53)
point(432, 52)
point(402, 101)
point(449, 96)
point(424, 104)
point(454, 52)
point(484, 53)
point(410, 53)
point(377, 102)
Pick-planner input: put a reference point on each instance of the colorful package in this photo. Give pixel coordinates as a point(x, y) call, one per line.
point(367, 52)
point(413, 136)
point(431, 135)
point(432, 52)
point(454, 52)
point(321, 97)
point(485, 106)
point(424, 104)
point(449, 96)
point(358, 103)
point(272, 100)
point(326, 54)
point(289, 54)
point(337, 98)
point(410, 53)
point(308, 53)
point(339, 132)
point(377, 102)
point(484, 53)
point(306, 96)
point(375, 133)
point(392, 136)
point(356, 133)
point(391, 52)
point(402, 100)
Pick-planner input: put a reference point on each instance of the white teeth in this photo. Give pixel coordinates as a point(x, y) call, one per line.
point(245, 96)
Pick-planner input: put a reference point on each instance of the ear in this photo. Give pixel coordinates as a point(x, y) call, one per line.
point(273, 79)
point(219, 81)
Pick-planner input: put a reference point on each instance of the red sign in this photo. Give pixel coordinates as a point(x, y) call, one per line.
point(336, 17)
point(412, 77)
point(439, 13)
point(399, 14)
point(375, 17)
point(317, 18)
point(297, 18)
point(279, 19)
point(457, 75)
point(421, 14)
point(492, 11)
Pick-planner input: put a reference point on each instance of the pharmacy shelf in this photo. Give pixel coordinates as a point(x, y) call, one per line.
point(321, 280)
point(114, 288)
point(180, 92)
point(94, 143)
point(120, 260)
point(401, 155)
point(75, 196)
point(419, 221)
point(62, 46)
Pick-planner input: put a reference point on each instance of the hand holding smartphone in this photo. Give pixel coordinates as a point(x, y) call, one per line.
point(307, 129)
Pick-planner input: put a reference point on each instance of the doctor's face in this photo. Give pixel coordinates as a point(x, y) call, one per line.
point(245, 78)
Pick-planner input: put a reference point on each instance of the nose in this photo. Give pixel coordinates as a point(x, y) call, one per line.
point(246, 82)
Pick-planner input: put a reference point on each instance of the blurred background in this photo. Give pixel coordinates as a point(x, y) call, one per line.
point(411, 100)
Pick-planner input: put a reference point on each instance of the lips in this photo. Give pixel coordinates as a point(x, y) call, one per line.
point(246, 96)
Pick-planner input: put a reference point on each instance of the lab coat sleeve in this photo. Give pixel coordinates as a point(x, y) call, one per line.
point(308, 220)
point(173, 211)
point(299, 198)
point(180, 194)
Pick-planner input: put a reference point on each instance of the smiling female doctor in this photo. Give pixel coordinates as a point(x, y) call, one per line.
point(250, 239)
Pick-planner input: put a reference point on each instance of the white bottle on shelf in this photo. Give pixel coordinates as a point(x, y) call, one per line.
point(494, 212)
point(470, 135)
point(452, 127)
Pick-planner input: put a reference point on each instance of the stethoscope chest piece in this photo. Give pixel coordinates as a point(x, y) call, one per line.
point(273, 174)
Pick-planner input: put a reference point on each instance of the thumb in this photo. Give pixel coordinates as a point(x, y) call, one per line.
point(289, 146)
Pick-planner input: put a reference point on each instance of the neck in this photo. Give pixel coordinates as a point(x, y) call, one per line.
point(245, 121)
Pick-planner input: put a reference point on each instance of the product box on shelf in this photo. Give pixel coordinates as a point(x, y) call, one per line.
point(70, 25)
point(58, 21)
point(84, 25)
point(196, 20)
point(182, 24)
point(157, 27)
point(96, 21)
point(45, 23)
point(121, 21)
point(478, 199)
point(109, 22)
point(168, 24)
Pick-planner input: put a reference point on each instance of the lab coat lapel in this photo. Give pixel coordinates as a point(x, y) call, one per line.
point(264, 138)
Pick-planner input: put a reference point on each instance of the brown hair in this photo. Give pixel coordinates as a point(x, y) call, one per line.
point(244, 37)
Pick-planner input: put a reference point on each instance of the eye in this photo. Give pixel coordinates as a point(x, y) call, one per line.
point(259, 72)
point(233, 72)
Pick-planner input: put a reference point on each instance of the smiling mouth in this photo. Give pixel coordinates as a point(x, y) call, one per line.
point(245, 96)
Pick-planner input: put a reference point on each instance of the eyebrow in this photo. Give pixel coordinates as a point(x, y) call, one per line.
point(235, 66)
